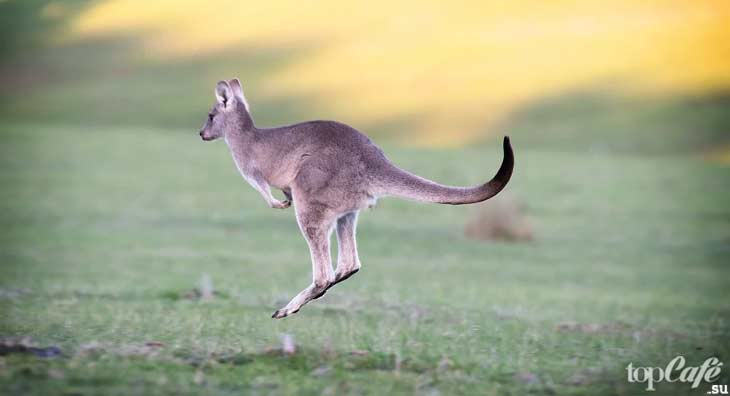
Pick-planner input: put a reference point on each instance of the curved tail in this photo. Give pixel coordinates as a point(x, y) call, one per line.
point(400, 183)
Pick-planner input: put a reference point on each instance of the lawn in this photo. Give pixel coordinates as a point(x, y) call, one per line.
point(106, 232)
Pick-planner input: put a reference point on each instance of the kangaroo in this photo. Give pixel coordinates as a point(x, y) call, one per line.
point(329, 171)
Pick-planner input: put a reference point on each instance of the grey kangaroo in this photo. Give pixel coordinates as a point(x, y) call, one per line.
point(330, 171)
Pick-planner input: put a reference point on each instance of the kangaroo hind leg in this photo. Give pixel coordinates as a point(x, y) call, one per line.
point(315, 223)
point(348, 263)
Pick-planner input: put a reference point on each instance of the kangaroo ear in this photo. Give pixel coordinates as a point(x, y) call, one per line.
point(238, 91)
point(223, 93)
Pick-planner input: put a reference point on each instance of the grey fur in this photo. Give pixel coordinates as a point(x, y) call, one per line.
point(330, 171)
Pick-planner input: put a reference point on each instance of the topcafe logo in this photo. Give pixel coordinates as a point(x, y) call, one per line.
point(676, 371)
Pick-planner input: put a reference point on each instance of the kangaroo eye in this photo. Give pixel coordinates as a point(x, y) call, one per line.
point(210, 117)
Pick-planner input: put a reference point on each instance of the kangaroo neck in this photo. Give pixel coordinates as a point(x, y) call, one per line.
point(241, 144)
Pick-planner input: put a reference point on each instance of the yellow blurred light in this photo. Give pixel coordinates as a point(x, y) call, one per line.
point(457, 68)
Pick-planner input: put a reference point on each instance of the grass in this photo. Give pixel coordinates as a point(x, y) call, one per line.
point(104, 230)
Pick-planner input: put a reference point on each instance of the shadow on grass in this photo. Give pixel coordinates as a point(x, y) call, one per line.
point(26, 24)
point(308, 360)
point(594, 119)
point(112, 80)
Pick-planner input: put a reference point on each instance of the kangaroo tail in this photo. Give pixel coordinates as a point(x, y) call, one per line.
point(400, 183)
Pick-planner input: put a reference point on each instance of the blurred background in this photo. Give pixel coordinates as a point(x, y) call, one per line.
point(136, 250)
point(586, 75)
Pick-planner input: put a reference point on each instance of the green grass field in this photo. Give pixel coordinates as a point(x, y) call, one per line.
point(112, 211)
point(105, 231)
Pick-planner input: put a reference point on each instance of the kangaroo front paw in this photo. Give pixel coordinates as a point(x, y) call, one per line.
point(280, 204)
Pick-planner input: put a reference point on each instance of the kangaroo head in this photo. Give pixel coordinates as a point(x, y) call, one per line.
point(230, 112)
